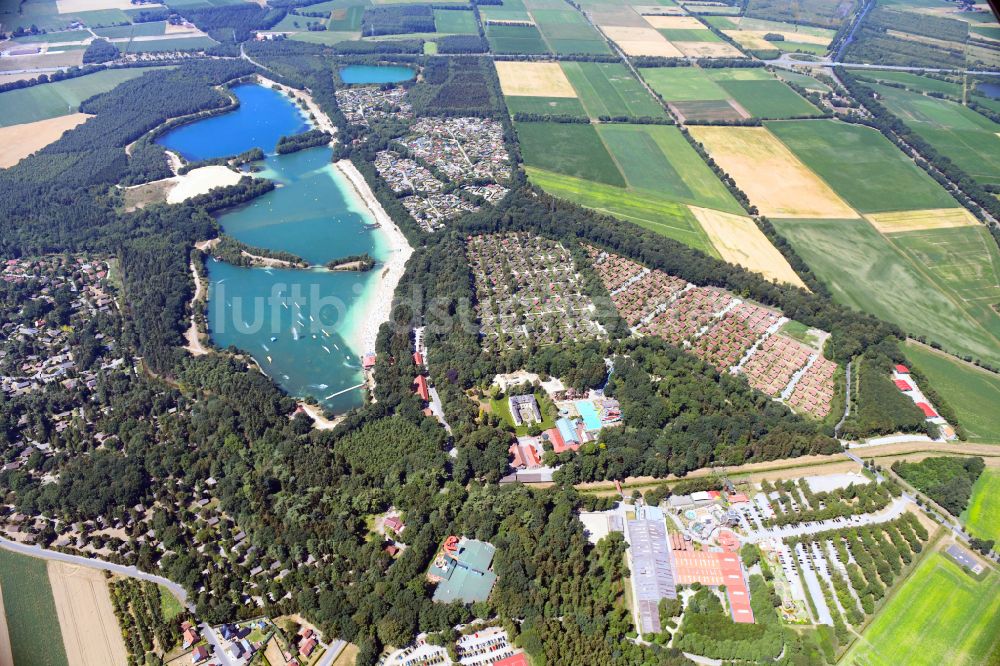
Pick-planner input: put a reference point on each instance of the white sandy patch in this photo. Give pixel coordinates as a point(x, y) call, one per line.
point(378, 306)
point(641, 41)
point(533, 79)
point(19, 141)
point(675, 22)
point(74, 6)
point(201, 181)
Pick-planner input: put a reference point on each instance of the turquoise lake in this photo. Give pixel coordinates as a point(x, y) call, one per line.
point(375, 74)
point(301, 326)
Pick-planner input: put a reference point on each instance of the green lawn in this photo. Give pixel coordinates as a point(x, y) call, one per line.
point(972, 392)
point(769, 99)
point(967, 138)
point(50, 100)
point(646, 209)
point(568, 148)
point(31, 611)
point(683, 84)
point(983, 515)
point(169, 605)
point(608, 89)
point(865, 270)
point(657, 159)
point(862, 166)
point(502, 409)
point(455, 21)
point(554, 106)
point(939, 617)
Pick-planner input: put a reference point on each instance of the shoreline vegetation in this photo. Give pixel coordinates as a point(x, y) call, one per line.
point(238, 253)
point(354, 262)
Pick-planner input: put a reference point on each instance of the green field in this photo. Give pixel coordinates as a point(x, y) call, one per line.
point(608, 89)
point(658, 160)
point(967, 138)
point(689, 35)
point(646, 209)
point(571, 149)
point(455, 21)
point(135, 30)
point(567, 31)
point(57, 37)
point(973, 393)
point(940, 616)
point(857, 262)
point(769, 99)
point(915, 81)
point(983, 515)
point(553, 106)
point(510, 39)
point(31, 611)
point(50, 100)
point(802, 80)
point(345, 18)
point(682, 84)
point(862, 166)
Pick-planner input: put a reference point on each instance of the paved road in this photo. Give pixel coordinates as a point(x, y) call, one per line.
point(894, 510)
point(332, 652)
point(213, 639)
point(45, 554)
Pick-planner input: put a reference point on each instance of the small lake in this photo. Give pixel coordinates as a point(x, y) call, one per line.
point(376, 74)
point(991, 90)
point(303, 327)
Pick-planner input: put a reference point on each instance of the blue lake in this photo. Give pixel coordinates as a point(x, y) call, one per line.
point(303, 327)
point(991, 90)
point(376, 74)
point(262, 118)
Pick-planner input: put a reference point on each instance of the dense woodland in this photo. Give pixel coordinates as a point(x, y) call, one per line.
point(304, 497)
point(948, 481)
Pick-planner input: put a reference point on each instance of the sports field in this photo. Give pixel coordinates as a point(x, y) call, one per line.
point(967, 138)
point(939, 617)
point(568, 148)
point(60, 98)
point(775, 180)
point(981, 516)
point(608, 89)
point(646, 209)
point(862, 166)
point(857, 262)
point(972, 392)
point(32, 622)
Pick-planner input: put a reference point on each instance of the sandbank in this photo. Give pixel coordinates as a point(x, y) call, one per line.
point(201, 181)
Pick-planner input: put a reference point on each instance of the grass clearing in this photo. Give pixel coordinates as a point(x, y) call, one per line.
point(32, 622)
point(939, 616)
point(533, 79)
point(646, 209)
point(608, 89)
point(862, 166)
point(984, 506)
point(740, 241)
point(61, 98)
point(776, 181)
point(974, 394)
point(857, 262)
point(571, 149)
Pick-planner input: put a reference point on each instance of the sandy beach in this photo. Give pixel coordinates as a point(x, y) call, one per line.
point(379, 304)
point(321, 120)
point(201, 181)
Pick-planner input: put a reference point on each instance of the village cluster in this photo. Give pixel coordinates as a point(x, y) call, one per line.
point(364, 104)
point(528, 291)
point(732, 334)
point(36, 337)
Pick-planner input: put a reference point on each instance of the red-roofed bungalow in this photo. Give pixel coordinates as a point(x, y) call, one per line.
point(902, 369)
point(420, 385)
point(903, 385)
point(368, 361)
point(738, 498)
point(927, 410)
point(418, 358)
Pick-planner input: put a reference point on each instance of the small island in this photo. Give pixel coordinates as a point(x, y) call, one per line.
point(237, 253)
point(354, 262)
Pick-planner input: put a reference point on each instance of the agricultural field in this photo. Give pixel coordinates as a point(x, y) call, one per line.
point(19, 141)
point(571, 149)
point(856, 262)
point(32, 622)
point(702, 94)
point(802, 80)
point(175, 44)
point(149, 29)
point(515, 39)
point(455, 22)
point(820, 12)
point(914, 81)
point(750, 34)
point(86, 616)
point(973, 393)
point(984, 506)
point(50, 100)
point(969, 139)
point(939, 616)
point(608, 89)
point(565, 30)
point(862, 166)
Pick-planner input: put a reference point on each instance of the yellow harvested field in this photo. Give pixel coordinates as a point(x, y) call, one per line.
point(533, 79)
point(740, 241)
point(19, 141)
point(918, 220)
point(749, 39)
point(708, 49)
point(74, 6)
point(675, 23)
point(641, 41)
point(658, 10)
point(6, 652)
point(776, 181)
point(86, 616)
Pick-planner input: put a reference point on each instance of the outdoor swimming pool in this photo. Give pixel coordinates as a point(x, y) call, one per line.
point(589, 414)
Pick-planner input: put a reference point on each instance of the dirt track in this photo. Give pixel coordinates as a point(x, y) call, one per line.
point(86, 616)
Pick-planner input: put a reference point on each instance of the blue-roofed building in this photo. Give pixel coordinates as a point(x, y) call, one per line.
point(567, 429)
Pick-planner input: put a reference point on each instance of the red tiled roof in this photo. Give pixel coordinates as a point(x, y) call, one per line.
point(517, 660)
point(738, 498)
point(902, 369)
point(308, 647)
point(927, 410)
point(420, 382)
point(903, 385)
point(418, 358)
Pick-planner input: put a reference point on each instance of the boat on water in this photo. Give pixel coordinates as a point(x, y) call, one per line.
point(295, 333)
point(274, 338)
point(265, 347)
point(268, 359)
point(327, 349)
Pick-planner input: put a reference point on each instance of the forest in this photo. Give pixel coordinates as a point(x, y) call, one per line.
point(946, 480)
